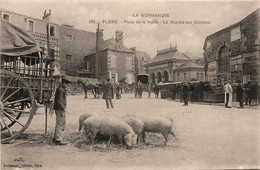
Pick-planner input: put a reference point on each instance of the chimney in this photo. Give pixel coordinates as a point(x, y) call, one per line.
point(99, 38)
point(119, 39)
point(47, 16)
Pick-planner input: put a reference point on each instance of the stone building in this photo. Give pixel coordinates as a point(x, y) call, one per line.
point(141, 58)
point(162, 66)
point(233, 52)
point(112, 58)
point(74, 45)
point(189, 72)
point(67, 44)
point(38, 29)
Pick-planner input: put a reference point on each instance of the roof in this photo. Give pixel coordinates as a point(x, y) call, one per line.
point(189, 65)
point(142, 55)
point(193, 56)
point(15, 41)
point(110, 44)
point(169, 55)
point(251, 15)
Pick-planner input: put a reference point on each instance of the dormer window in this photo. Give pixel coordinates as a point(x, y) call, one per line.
point(6, 17)
point(30, 25)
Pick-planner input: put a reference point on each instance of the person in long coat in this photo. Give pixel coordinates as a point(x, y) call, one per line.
point(108, 93)
point(185, 93)
point(228, 95)
point(248, 97)
point(156, 90)
point(149, 89)
point(240, 97)
point(60, 106)
point(118, 95)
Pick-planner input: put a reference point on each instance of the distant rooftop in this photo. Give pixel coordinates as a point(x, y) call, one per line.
point(169, 54)
point(110, 44)
point(189, 65)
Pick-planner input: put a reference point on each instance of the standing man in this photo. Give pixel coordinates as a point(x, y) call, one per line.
point(137, 86)
point(108, 93)
point(149, 89)
point(228, 95)
point(240, 96)
point(247, 87)
point(185, 93)
point(60, 107)
point(156, 91)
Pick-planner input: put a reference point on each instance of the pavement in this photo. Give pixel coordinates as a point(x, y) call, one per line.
point(210, 135)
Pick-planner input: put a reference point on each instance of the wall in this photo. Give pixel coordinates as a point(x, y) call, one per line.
point(168, 66)
point(242, 48)
point(39, 32)
point(121, 64)
point(81, 44)
point(191, 74)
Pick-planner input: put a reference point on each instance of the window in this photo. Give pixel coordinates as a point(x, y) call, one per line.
point(201, 76)
point(68, 57)
point(52, 31)
point(6, 17)
point(198, 76)
point(178, 77)
point(69, 37)
point(235, 34)
point(208, 44)
point(52, 53)
point(185, 76)
point(30, 25)
point(113, 61)
point(88, 65)
point(223, 63)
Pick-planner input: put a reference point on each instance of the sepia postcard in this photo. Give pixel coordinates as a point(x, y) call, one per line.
point(148, 84)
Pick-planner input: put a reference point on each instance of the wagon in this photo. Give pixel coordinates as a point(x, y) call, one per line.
point(26, 79)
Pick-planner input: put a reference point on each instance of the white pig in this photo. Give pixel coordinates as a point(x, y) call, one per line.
point(109, 127)
point(136, 124)
point(158, 125)
point(83, 117)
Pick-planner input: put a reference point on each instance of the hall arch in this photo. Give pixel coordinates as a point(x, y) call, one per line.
point(166, 76)
point(159, 77)
point(152, 78)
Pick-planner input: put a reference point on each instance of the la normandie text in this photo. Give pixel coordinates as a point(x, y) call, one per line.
point(149, 15)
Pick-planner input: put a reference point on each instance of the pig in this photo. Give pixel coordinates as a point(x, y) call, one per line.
point(83, 117)
point(109, 127)
point(136, 124)
point(159, 125)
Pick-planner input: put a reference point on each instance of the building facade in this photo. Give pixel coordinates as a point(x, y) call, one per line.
point(141, 58)
point(74, 45)
point(67, 44)
point(111, 59)
point(189, 72)
point(162, 66)
point(233, 52)
point(38, 29)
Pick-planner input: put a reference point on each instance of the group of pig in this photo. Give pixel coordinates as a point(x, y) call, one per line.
point(128, 129)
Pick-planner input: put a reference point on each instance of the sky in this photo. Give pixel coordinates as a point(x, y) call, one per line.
point(188, 36)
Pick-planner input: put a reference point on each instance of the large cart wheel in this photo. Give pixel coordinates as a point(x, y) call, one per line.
point(17, 105)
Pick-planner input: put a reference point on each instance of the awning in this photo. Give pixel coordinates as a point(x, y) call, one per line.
point(15, 41)
point(86, 81)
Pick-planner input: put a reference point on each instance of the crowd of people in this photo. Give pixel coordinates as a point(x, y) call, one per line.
point(248, 94)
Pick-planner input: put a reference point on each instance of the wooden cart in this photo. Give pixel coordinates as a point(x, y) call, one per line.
point(26, 78)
